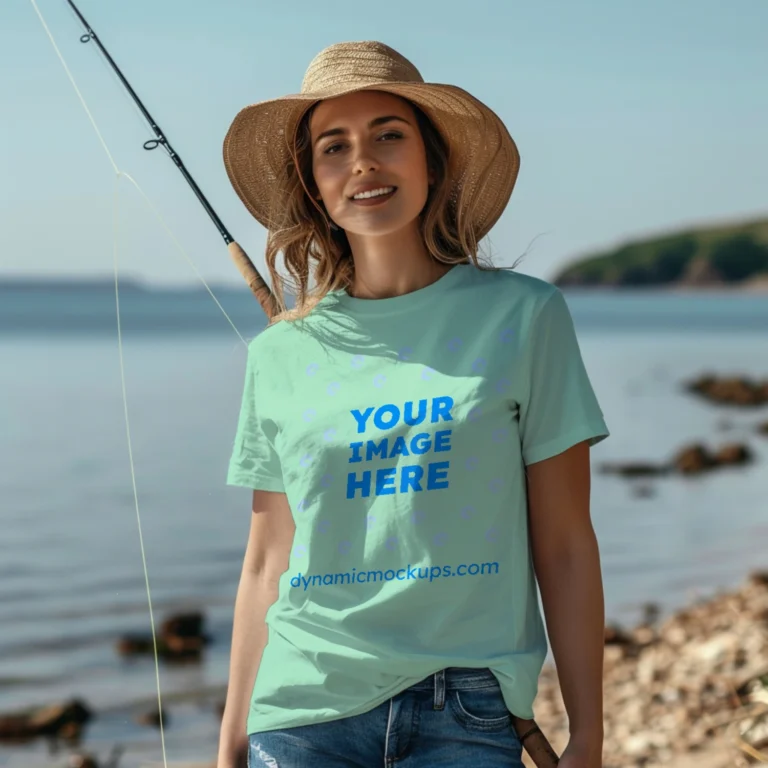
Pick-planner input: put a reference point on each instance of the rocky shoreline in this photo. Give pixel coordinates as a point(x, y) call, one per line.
point(691, 690)
point(688, 690)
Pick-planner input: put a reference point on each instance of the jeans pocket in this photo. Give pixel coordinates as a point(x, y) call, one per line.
point(480, 709)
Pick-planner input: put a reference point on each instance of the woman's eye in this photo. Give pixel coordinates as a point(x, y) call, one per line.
point(331, 149)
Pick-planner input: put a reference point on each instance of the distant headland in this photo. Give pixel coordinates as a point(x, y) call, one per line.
point(726, 256)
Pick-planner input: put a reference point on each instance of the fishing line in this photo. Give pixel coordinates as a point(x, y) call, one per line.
point(118, 175)
point(74, 85)
point(115, 220)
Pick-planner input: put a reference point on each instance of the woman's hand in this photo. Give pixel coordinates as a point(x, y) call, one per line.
point(579, 754)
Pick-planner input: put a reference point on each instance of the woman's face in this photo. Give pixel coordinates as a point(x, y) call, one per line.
point(369, 141)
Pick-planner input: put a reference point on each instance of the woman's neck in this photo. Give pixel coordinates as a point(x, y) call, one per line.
point(392, 265)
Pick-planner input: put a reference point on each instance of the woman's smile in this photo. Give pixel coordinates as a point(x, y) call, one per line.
point(375, 197)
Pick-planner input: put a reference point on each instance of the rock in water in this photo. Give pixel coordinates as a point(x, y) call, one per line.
point(730, 390)
point(64, 721)
point(693, 459)
point(733, 454)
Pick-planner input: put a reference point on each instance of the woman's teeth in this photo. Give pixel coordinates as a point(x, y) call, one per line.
point(373, 193)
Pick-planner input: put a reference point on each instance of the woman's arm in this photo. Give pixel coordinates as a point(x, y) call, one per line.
point(266, 559)
point(567, 564)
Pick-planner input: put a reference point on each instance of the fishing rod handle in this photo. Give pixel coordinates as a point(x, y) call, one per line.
point(259, 288)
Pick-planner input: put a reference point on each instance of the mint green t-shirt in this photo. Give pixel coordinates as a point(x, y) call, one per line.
point(400, 429)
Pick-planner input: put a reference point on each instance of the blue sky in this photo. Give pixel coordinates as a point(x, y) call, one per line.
point(631, 118)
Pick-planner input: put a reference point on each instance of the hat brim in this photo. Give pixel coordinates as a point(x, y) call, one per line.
point(484, 159)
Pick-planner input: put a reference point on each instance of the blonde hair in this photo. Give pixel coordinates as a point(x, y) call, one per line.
point(308, 243)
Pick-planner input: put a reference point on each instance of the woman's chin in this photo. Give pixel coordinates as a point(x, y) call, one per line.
point(379, 226)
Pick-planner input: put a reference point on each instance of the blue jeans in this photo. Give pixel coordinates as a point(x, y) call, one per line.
point(455, 718)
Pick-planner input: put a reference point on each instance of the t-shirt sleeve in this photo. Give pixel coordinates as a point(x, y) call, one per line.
point(254, 462)
point(560, 408)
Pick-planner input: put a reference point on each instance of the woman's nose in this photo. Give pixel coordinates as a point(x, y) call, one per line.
point(364, 161)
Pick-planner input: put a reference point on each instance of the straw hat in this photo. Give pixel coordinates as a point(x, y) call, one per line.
point(257, 144)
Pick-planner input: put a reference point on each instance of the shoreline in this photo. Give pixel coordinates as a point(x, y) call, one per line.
point(676, 687)
point(98, 285)
point(689, 689)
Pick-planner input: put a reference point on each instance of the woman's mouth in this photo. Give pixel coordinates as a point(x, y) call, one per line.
point(374, 196)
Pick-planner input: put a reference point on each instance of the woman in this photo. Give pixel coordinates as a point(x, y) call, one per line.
point(416, 434)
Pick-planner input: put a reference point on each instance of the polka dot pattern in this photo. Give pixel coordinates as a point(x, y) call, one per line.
point(500, 434)
point(333, 388)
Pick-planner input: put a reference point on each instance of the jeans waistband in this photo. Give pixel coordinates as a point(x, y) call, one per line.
point(457, 678)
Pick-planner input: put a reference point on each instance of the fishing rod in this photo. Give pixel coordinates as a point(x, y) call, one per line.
point(255, 281)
